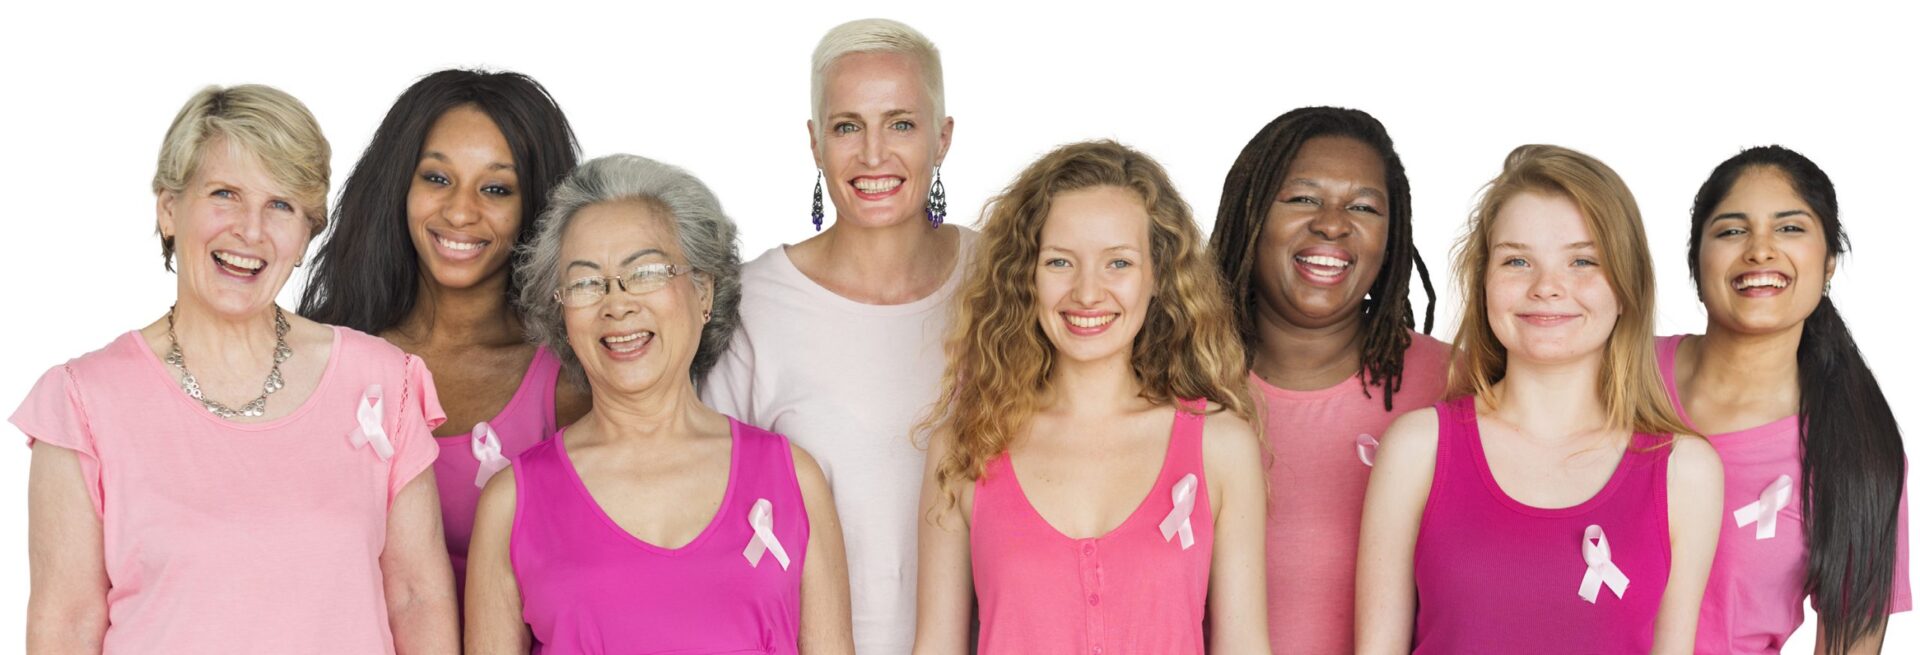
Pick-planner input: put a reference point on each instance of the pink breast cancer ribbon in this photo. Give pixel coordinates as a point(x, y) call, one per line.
point(486, 449)
point(1180, 520)
point(1766, 510)
point(1366, 444)
point(1600, 568)
point(369, 412)
point(761, 518)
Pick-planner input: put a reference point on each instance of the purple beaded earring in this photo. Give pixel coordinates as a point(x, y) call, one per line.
point(937, 200)
point(819, 210)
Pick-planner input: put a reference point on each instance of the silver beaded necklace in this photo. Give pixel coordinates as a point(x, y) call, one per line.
point(256, 407)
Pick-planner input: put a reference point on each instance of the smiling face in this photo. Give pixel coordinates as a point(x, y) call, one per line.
point(1325, 235)
point(463, 208)
point(627, 342)
point(1763, 256)
point(1094, 279)
point(236, 232)
point(878, 139)
point(1548, 299)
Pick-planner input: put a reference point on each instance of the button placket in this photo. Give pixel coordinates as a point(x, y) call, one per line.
point(1090, 586)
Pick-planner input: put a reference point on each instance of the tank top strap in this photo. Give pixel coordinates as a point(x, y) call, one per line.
point(544, 374)
point(1185, 452)
point(1457, 445)
point(765, 464)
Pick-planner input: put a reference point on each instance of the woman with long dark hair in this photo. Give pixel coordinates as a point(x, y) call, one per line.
point(1814, 463)
point(425, 231)
point(1315, 242)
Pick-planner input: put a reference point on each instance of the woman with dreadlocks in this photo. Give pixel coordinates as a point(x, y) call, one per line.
point(1315, 243)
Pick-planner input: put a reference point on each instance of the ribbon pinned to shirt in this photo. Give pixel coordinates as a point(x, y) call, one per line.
point(761, 518)
point(1180, 520)
point(486, 450)
point(1600, 567)
point(369, 411)
point(1766, 510)
point(1366, 444)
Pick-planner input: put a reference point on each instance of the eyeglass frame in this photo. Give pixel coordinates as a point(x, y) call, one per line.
point(607, 282)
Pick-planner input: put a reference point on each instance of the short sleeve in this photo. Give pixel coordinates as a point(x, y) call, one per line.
point(1902, 582)
point(728, 388)
point(53, 413)
point(414, 449)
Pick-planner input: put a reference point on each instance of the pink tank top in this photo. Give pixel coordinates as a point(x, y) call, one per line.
point(1132, 590)
point(527, 418)
point(589, 586)
point(1496, 576)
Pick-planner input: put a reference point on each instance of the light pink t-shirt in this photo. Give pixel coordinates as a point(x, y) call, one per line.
point(846, 381)
point(1755, 596)
point(1317, 482)
point(225, 537)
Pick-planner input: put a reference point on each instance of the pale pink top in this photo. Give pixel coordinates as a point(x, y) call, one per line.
point(846, 381)
point(225, 537)
point(1132, 590)
point(526, 420)
point(1755, 596)
point(1317, 479)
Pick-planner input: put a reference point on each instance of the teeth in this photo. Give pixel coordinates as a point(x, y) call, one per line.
point(1760, 280)
point(240, 261)
point(626, 338)
point(1323, 260)
point(460, 245)
point(876, 185)
point(1089, 321)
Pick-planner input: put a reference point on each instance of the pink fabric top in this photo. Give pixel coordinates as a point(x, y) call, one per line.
point(1317, 480)
point(1755, 596)
point(225, 537)
point(1497, 576)
point(1043, 592)
point(589, 586)
point(527, 419)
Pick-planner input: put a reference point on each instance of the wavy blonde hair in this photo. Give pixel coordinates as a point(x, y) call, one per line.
point(999, 361)
point(1630, 382)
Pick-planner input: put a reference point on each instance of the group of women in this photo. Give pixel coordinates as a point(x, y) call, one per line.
point(530, 403)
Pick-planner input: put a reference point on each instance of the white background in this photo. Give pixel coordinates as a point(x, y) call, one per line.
point(1660, 93)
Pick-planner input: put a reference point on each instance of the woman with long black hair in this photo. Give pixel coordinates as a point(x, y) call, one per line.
point(1813, 458)
point(427, 226)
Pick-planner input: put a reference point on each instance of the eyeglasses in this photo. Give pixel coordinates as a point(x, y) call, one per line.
point(645, 278)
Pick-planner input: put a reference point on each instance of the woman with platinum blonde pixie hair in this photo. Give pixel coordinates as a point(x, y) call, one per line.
point(839, 340)
point(627, 528)
point(1093, 480)
point(233, 478)
point(1556, 503)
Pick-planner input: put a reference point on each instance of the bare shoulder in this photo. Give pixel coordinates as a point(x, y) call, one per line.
point(500, 494)
point(1693, 459)
point(813, 481)
point(1228, 440)
point(1418, 429)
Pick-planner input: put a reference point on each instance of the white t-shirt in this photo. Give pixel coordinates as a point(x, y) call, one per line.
point(847, 381)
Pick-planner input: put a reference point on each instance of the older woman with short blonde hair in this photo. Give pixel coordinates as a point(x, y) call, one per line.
point(233, 477)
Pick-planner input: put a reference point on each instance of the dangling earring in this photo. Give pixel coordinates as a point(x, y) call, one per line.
point(819, 210)
point(937, 200)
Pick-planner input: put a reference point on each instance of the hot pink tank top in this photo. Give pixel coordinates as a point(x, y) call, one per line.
point(527, 418)
point(1496, 576)
point(1132, 590)
point(589, 586)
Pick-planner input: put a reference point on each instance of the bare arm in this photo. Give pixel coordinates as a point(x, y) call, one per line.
point(1237, 587)
point(826, 610)
point(419, 577)
point(1389, 527)
point(494, 623)
point(67, 604)
point(1694, 490)
point(946, 563)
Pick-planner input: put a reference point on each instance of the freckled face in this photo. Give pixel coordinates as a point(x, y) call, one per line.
point(1548, 299)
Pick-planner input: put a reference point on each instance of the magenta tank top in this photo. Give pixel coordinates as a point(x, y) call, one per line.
point(589, 586)
point(527, 418)
point(1496, 576)
point(1132, 590)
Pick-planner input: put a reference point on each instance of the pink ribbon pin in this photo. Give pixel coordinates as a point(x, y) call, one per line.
point(369, 412)
point(1180, 520)
point(761, 518)
point(1366, 444)
point(1600, 567)
point(1766, 510)
point(486, 449)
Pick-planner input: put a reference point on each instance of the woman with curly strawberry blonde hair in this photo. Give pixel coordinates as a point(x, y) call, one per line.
point(1091, 343)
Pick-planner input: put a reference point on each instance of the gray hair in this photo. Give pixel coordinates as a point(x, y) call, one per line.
point(877, 35)
point(706, 235)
